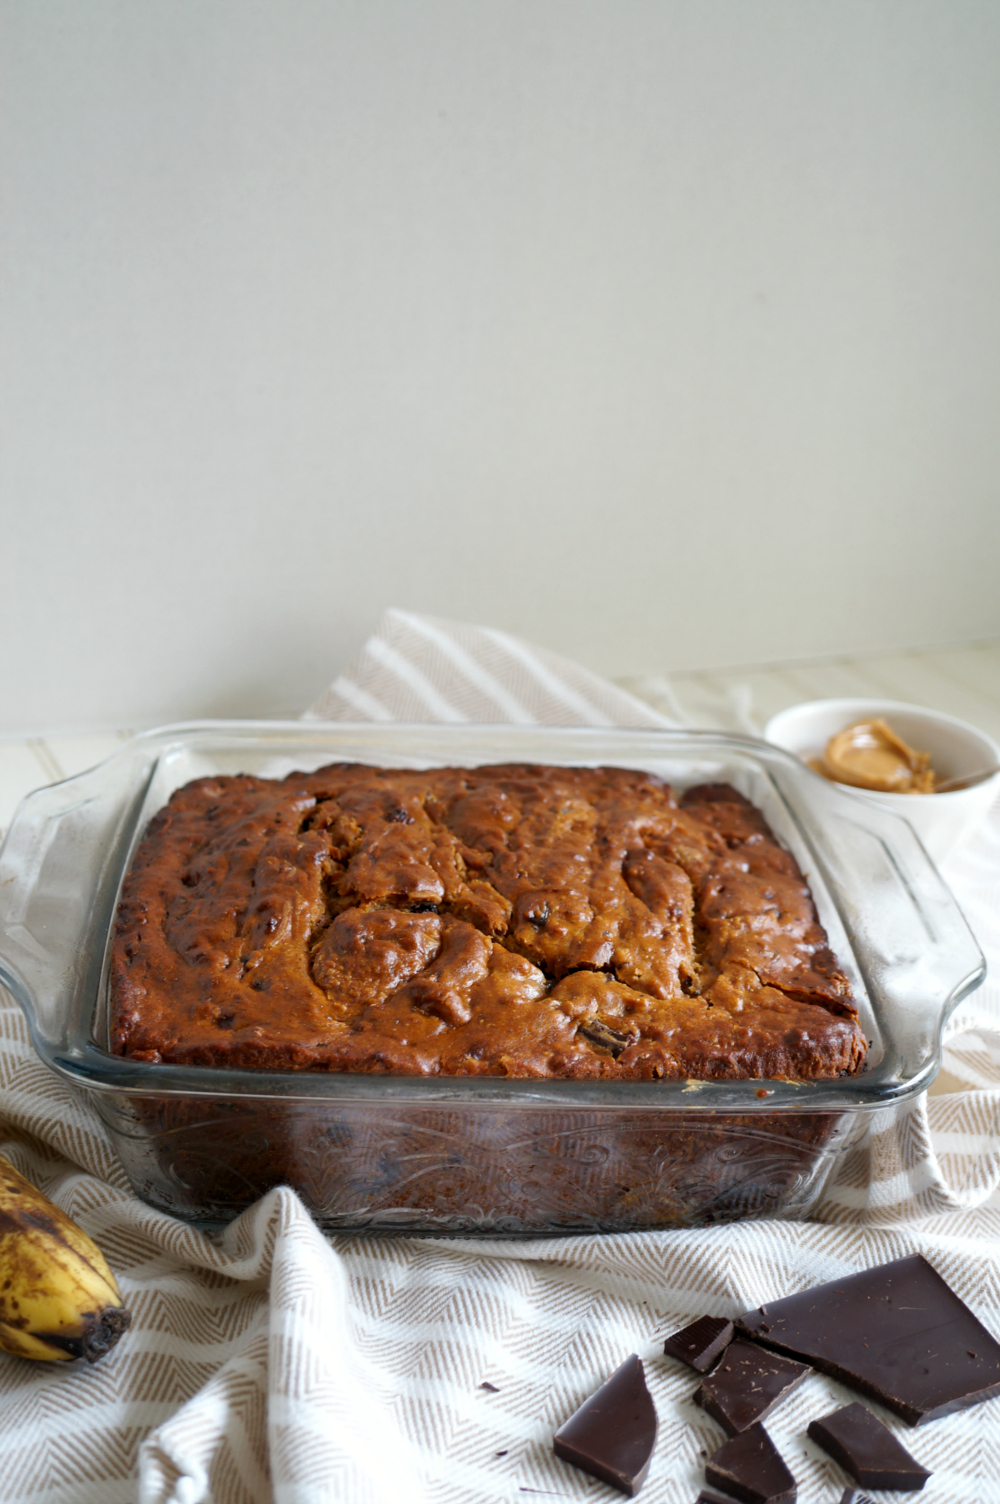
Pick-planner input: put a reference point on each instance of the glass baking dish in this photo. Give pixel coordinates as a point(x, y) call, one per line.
point(478, 1155)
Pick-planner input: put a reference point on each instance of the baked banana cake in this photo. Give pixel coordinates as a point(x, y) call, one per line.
point(509, 920)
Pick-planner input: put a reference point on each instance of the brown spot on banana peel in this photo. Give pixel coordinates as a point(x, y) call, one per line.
point(48, 1261)
point(51, 1224)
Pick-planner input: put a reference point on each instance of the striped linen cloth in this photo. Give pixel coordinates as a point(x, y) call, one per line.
point(272, 1363)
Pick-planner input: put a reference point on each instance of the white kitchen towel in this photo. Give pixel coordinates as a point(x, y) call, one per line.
point(273, 1364)
point(423, 668)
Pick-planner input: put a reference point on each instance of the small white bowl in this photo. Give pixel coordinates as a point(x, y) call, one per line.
point(956, 748)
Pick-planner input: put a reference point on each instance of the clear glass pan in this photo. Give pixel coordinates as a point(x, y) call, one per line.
point(478, 1154)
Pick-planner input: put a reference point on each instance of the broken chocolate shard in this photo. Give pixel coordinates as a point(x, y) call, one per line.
point(749, 1467)
point(747, 1385)
point(896, 1333)
point(855, 1496)
point(613, 1433)
point(699, 1344)
point(491, 1387)
point(867, 1450)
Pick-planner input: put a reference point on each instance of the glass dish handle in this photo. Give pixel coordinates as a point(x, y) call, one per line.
point(59, 869)
point(910, 938)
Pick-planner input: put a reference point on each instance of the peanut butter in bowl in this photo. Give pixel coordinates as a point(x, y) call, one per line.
point(885, 751)
point(869, 754)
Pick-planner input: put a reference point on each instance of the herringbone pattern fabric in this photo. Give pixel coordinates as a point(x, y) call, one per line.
point(274, 1364)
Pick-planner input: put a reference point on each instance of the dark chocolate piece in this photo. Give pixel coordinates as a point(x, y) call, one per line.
point(855, 1496)
point(699, 1344)
point(896, 1333)
point(747, 1385)
point(706, 1498)
point(750, 1467)
point(612, 1435)
point(491, 1387)
point(607, 1037)
point(867, 1450)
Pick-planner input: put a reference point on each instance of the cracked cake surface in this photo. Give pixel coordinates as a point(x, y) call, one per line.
point(511, 920)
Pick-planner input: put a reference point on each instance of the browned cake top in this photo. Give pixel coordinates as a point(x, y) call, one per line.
point(504, 920)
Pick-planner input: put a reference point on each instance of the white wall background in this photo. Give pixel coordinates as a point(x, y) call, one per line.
point(664, 332)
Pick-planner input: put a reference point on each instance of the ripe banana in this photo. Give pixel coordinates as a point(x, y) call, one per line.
point(58, 1298)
